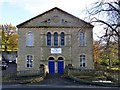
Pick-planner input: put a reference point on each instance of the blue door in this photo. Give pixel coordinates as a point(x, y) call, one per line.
point(60, 66)
point(51, 67)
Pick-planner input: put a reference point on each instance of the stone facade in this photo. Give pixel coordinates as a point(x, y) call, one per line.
point(55, 20)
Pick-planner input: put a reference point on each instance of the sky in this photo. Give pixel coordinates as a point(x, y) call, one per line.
point(18, 11)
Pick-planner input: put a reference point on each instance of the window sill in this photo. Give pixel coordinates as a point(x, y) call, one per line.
point(29, 67)
point(30, 46)
point(83, 46)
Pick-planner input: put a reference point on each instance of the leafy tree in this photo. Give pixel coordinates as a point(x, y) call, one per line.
point(9, 37)
point(13, 42)
point(103, 56)
point(96, 46)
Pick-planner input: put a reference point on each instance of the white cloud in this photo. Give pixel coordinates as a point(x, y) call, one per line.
point(72, 6)
point(36, 7)
point(39, 6)
point(1, 4)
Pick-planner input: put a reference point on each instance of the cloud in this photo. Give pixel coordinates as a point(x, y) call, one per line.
point(1, 4)
point(36, 7)
point(72, 6)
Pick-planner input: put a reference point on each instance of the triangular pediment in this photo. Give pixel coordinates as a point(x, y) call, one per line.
point(54, 18)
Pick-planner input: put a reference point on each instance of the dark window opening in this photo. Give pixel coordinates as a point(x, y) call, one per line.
point(62, 39)
point(48, 39)
point(55, 39)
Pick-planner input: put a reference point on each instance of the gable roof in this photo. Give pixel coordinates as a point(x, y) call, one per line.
point(21, 25)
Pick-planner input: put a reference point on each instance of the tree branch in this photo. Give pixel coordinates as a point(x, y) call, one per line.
point(101, 21)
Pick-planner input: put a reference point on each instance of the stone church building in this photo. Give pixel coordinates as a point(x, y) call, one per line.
point(55, 39)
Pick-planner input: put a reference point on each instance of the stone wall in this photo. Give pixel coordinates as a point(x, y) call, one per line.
point(71, 51)
point(41, 52)
point(40, 72)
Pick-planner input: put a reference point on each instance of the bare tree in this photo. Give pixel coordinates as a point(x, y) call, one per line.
point(107, 14)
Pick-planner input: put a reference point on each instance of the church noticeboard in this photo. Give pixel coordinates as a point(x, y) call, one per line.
point(56, 50)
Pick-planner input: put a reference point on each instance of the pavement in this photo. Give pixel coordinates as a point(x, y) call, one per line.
point(54, 82)
point(55, 87)
point(57, 82)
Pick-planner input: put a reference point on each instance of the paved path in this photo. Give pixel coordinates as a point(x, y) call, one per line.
point(60, 80)
point(57, 80)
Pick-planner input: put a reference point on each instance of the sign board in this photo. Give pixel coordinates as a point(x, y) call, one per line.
point(56, 50)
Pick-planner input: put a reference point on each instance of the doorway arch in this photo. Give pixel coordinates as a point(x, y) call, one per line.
point(51, 65)
point(60, 65)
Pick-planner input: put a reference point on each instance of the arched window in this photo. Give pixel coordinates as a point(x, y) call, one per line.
point(55, 39)
point(48, 39)
point(29, 39)
point(82, 61)
point(82, 39)
point(62, 38)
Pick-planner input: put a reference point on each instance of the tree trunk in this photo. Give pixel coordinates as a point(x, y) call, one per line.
point(119, 53)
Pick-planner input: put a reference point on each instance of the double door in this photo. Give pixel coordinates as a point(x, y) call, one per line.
point(56, 66)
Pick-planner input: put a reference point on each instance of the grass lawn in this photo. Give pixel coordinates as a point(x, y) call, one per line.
point(21, 79)
point(104, 75)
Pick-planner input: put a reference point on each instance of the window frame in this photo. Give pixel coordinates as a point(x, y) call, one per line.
point(56, 40)
point(82, 39)
point(30, 62)
point(50, 39)
point(29, 39)
point(83, 60)
point(63, 39)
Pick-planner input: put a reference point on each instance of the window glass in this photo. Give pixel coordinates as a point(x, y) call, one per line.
point(55, 39)
point(48, 39)
point(82, 39)
point(62, 39)
point(30, 39)
point(82, 61)
point(29, 61)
